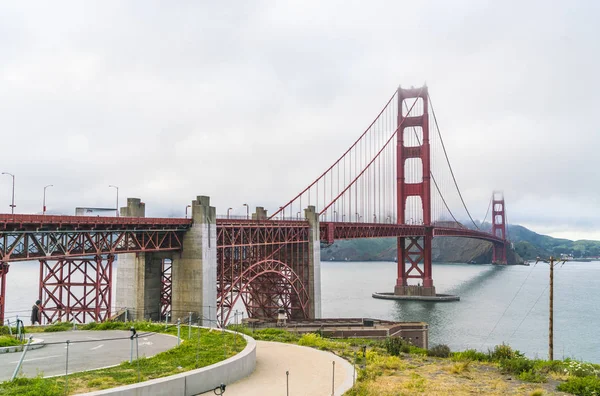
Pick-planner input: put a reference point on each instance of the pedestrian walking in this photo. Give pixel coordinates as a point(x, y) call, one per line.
point(36, 313)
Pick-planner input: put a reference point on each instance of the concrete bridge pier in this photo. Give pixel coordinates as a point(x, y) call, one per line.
point(314, 262)
point(139, 275)
point(194, 272)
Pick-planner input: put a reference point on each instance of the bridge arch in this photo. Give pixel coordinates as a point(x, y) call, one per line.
point(264, 287)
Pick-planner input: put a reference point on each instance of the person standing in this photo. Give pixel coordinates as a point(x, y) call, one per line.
point(36, 313)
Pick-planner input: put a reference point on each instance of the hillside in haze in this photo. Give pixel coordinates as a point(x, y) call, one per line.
point(527, 246)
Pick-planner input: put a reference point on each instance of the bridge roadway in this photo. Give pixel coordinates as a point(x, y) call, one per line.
point(31, 237)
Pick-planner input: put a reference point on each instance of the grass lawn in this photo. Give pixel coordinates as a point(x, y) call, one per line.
point(202, 349)
point(395, 368)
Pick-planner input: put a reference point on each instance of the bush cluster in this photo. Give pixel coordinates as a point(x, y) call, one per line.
point(396, 345)
point(583, 386)
point(441, 350)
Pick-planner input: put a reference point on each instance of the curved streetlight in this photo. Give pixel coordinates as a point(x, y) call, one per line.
point(247, 211)
point(44, 203)
point(356, 216)
point(186, 210)
point(117, 209)
point(374, 218)
point(12, 205)
point(229, 209)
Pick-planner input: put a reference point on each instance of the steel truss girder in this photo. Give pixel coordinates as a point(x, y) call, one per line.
point(465, 233)
point(330, 231)
point(31, 245)
point(76, 289)
point(166, 287)
point(265, 266)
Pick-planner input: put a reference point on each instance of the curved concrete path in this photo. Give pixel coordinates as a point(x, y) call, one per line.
point(91, 349)
point(310, 371)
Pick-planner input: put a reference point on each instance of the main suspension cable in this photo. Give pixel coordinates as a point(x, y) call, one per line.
point(448, 161)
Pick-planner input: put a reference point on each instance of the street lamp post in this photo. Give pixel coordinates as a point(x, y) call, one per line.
point(12, 205)
point(186, 210)
point(117, 188)
point(228, 212)
point(44, 203)
point(247, 211)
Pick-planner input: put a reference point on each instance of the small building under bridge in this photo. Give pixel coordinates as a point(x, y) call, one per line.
point(415, 333)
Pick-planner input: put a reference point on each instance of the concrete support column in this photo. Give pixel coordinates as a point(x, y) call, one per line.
point(260, 214)
point(139, 275)
point(194, 274)
point(314, 262)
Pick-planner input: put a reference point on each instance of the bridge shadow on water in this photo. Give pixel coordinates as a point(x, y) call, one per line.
point(443, 314)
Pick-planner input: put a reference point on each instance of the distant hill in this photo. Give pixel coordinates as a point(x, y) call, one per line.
point(530, 245)
point(527, 246)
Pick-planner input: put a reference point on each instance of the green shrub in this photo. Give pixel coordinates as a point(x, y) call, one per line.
point(441, 350)
point(501, 352)
point(6, 341)
point(470, 354)
point(59, 326)
point(516, 365)
point(277, 335)
point(395, 345)
point(532, 376)
point(545, 366)
point(582, 386)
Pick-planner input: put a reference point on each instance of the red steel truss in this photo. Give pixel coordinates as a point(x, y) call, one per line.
point(29, 237)
point(166, 287)
point(76, 289)
point(3, 272)
point(265, 266)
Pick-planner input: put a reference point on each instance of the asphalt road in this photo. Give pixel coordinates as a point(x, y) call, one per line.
point(95, 352)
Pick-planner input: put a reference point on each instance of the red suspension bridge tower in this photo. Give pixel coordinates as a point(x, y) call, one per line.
point(499, 227)
point(414, 252)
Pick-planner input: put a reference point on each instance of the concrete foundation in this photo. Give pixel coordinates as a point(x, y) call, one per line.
point(314, 262)
point(139, 275)
point(433, 298)
point(414, 290)
point(194, 273)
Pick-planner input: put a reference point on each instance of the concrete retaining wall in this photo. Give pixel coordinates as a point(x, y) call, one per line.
point(195, 381)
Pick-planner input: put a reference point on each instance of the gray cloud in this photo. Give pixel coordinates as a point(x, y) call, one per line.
point(249, 102)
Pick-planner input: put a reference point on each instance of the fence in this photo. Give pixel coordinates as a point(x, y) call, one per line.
point(124, 352)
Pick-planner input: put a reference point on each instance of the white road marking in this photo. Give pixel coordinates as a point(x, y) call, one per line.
point(97, 347)
point(40, 358)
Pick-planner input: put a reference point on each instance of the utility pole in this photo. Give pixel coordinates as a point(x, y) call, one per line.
point(553, 262)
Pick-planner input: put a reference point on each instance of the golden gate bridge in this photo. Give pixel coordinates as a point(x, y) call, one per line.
point(395, 180)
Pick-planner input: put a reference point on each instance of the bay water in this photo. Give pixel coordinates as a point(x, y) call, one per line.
point(498, 303)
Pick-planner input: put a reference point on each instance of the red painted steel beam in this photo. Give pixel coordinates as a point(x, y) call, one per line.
point(10, 222)
point(33, 245)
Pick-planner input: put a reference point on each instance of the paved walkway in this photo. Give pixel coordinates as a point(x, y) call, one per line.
point(310, 371)
point(89, 350)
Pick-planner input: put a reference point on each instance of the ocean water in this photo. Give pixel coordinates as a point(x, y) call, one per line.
point(498, 304)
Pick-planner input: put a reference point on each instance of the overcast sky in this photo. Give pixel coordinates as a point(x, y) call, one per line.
point(249, 101)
